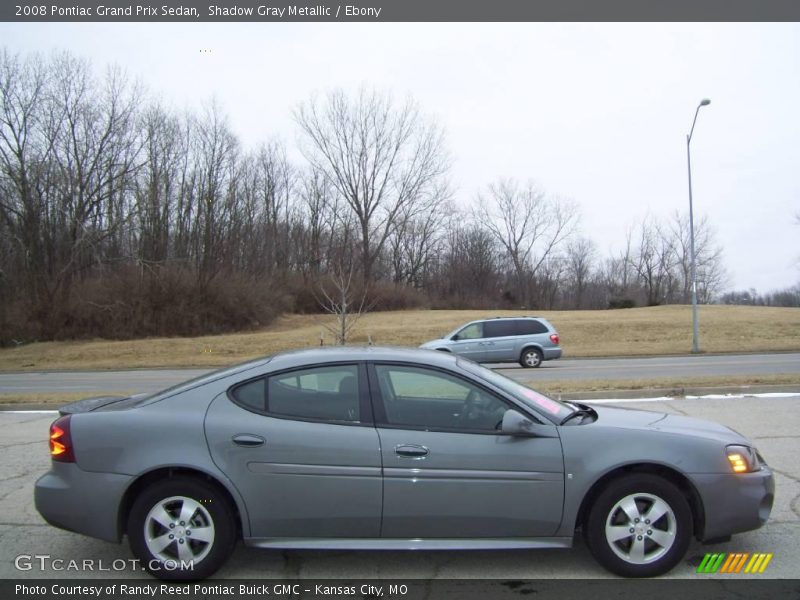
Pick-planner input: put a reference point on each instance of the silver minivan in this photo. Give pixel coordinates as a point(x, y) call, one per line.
point(527, 340)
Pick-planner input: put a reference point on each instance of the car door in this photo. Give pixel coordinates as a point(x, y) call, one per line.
point(501, 340)
point(301, 448)
point(470, 343)
point(447, 470)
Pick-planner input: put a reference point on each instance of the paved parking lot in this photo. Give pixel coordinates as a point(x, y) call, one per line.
point(772, 423)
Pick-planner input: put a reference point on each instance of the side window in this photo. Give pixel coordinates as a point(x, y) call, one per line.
point(322, 393)
point(471, 332)
point(530, 327)
point(499, 329)
point(426, 399)
point(251, 395)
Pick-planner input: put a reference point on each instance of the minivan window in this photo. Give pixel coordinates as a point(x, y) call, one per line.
point(499, 328)
point(530, 327)
point(471, 332)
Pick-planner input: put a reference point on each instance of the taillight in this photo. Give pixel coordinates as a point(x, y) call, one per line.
point(61, 441)
point(554, 338)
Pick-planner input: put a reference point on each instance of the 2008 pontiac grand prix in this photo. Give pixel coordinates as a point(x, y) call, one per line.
point(387, 448)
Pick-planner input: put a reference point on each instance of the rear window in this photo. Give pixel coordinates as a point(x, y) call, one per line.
point(202, 380)
point(530, 327)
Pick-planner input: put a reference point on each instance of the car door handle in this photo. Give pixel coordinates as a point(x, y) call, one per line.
point(411, 451)
point(247, 440)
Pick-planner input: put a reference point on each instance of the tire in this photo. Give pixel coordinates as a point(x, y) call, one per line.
point(156, 514)
point(531, 358)
point(655, 546)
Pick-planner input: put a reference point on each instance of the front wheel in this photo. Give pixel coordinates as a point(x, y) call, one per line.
point(181, 529)
point(639, 526)
point(531, 357)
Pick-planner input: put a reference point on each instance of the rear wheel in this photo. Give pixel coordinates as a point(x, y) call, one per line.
point(181, 529)
point(639, 526)
point(531, 357)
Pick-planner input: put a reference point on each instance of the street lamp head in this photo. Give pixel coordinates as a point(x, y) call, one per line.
point(705, 102)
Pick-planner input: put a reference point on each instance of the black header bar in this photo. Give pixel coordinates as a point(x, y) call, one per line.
point(192, 11)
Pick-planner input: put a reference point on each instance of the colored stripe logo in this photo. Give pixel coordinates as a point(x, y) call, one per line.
point(735, 562)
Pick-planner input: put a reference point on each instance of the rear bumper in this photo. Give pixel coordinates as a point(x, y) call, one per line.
point(80, 501)
point(552, 353)
point(735, 503)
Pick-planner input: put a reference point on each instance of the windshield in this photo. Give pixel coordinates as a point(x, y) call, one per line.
point(556, 409)
point(452, 333)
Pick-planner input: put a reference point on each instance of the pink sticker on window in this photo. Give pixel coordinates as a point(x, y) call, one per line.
point(544, 402)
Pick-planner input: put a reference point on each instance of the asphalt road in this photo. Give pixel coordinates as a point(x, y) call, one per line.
point(772, 423)
point(150, 380)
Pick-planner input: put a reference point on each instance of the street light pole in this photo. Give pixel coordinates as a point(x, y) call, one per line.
point(695, 326)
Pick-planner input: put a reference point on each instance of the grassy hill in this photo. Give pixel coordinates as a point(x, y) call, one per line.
point(630, 332)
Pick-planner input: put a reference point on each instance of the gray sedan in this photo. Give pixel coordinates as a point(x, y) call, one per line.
point(381, 448)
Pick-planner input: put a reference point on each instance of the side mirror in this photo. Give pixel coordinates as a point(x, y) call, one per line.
point(455, 338)
point(515, 423)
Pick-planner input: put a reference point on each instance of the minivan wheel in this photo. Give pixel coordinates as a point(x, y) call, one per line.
point(530, 357)
point(639, 526)
point(181, 529)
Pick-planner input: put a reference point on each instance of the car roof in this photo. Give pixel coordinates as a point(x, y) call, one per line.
point(346, 353)
point(484, 320)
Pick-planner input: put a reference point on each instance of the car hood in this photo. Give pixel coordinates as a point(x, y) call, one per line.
point(667, 423)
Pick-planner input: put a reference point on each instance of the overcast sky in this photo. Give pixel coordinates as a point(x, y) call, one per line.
point(597, 113)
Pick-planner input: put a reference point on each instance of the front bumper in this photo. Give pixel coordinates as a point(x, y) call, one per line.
point(81, 501)
point(735, 503)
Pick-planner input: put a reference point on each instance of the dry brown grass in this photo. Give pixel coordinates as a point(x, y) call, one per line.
point(631, 332)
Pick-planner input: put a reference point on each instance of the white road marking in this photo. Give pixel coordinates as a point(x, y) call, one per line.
point(706, 397)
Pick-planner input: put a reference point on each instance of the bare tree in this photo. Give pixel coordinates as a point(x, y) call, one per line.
point(321, 208)
point(342, 299)
point(157, 189)
point(711, 276)
point(384, 160)
point(654, 262)
point(216, 152)
point(468, 268)
point(528, 224)
point(414, 244)
point(580, 256)
point(24, 155)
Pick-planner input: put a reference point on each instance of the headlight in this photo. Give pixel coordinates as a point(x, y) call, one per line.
point(743, 459)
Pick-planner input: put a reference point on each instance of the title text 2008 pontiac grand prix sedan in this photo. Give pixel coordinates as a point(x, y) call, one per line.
point(391, 449)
